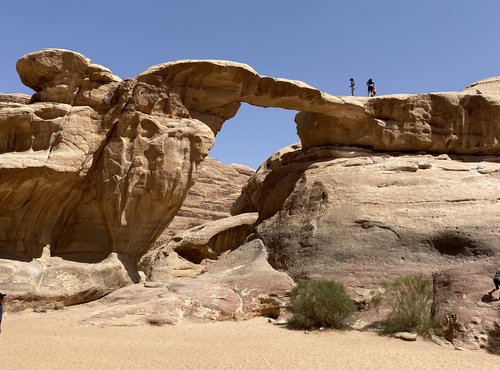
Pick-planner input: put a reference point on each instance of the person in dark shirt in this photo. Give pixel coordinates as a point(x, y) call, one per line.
point(2, 296)
point(371, 87)
point(496, 279)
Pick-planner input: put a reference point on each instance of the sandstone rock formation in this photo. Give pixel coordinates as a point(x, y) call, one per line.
point(210, 198)
point(94, 166)
point(48, 280)
point(99, 165)
point(183, 255)
point(217, 187)
point(239, 285)
point(488, 86)
point(15, 98)
point(467, 307)
point(360, 217)
point(332, 212)
point(438, 123)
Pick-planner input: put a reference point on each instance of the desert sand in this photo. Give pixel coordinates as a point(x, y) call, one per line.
point(56, 340)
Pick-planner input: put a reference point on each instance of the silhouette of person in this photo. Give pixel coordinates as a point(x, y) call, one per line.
point(2, 296)
point(352, 86)
point(371, 87)
point(496, 279)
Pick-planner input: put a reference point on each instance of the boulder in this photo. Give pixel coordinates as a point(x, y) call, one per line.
point(52, 280)
point(238, 286)
point(64, 76)
point(186, 251)
point(407, 337)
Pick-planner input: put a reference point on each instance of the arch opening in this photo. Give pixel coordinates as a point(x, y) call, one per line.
point(254, 134)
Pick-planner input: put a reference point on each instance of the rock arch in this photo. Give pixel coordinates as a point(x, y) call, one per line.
point(102, 165)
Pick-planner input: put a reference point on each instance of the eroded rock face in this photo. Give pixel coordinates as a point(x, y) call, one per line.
point(488, 86)
point(217, 187)
point(238, 286)
point(436, 123)
point(362, 217)
point(96, 166)
point(48, 280)
point(209, 199)
point(325, 211)
point(68, 77)
point(183, 255)
point(467, 305)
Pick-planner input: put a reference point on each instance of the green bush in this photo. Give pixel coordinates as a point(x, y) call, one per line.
point(410, 299)
point(320, 303)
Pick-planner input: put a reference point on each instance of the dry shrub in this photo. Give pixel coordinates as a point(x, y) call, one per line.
point(320, 303)
point(410, 299)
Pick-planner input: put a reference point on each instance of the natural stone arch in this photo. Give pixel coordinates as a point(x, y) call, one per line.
point(118, 147)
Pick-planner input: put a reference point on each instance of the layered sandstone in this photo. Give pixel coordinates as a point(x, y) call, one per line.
point(217, 187)
point(458, 123)
point(488, 86)
point(53, 280)
point(238, 286)
point(325, 211)
point(92, 167)
point(185, 253)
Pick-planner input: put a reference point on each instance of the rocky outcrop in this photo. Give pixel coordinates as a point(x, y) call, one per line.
point(64, 76)
point(183, 255)
point(488, 86)
point(467, 307)
point(94, 168)
point(361, 217)
point(437, 123)
point(14, 98)
point(99, 166)
point(217, 187)
point(328, 211)
point(47, 280)
point(238, 286)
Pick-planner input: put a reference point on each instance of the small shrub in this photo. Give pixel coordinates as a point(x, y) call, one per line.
point(410, 300)
point(320, 303)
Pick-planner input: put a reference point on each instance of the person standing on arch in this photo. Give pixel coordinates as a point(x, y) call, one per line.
point(352, 86)
point(371, 87)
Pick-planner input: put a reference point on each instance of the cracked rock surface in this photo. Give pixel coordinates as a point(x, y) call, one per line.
point(325, 211)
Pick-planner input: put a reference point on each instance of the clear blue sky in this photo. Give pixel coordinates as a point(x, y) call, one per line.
point(405, 46)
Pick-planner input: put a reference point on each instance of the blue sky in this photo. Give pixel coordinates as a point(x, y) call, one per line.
point(405, 46)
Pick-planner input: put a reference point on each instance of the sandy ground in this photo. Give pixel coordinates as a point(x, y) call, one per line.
point(55, 340)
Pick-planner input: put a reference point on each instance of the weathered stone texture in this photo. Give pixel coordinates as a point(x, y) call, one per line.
point(98, 165)
point(323, 209)
point(488, 86)
point(238, 286)
point(436, 123)
point(205, 242)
